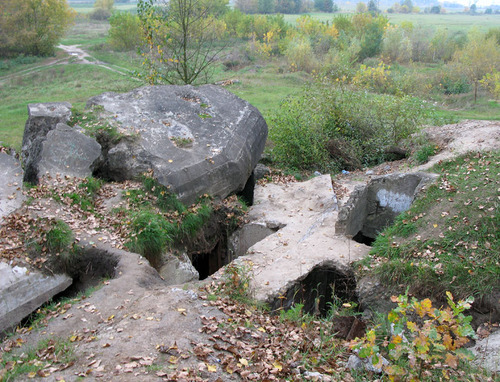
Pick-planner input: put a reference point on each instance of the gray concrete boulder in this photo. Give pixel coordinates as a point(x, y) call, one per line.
point(373, 207)
point(64, 151)
point(178, 270)
point(196, 140)
point(42, 118)
point(11, 173)
point(23, 292)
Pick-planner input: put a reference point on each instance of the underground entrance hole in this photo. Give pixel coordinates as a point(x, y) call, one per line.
point(207, 263)
point(362, 239)
point(87, 267)
point(321, 290)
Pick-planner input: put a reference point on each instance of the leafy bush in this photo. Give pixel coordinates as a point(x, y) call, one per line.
point(300, 55)
point(422, 155)
point(125, 31)
point(424, 342)
point(453, 84)
point(331, 128)
point(100, 14)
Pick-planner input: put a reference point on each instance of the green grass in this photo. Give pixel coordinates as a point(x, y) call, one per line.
point(264, 87)
point(449, 239)
point(452, 21)
point(85, 8)
point(48, 352)
point(87, 32)
point(59, 237)
point(72, 83)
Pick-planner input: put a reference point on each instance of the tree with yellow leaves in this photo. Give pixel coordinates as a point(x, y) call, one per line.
point(183, 37)
point(33, 27)
point(480, 56)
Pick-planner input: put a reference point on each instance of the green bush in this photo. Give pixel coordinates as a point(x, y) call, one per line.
point(329, 128)
point(100, 14)
point(150, 237)
point(425, 343)
point(125, 31)
point(453, 84)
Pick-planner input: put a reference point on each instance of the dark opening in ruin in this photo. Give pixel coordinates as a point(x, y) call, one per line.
point(88, 267)
point(208, 263)
point(360, 238)
point(325, 286)
point(247, 193)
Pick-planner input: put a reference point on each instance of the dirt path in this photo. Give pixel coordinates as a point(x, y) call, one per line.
point(76, 55)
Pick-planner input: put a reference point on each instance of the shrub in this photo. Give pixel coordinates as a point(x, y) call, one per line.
point(300, 55)
point(454, 84)
point(423, 341)
point(330, 128)
point(100, 14)
point(422, 155)
point(125, 32)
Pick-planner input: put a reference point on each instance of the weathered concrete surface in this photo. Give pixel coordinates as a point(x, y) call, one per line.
point(178, 270)
point(373, 207)
point(64, 151)
point(487, 352)
point(11, 175)
point(23, 292)
point(460, 138)
point(308, 212)
point(248, 235)
point(42, 117)
point(202, 140)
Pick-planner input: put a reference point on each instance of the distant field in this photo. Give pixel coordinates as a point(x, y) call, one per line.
point(454, 22)
point(88, 7)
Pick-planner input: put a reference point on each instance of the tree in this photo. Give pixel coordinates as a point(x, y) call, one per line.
point(478, 57)
point(33, 27)
point(361, 7)
point(372, 8)
point(181, 37)
point(266, 6)
point(408, 4)
point(248, 6)
point(473, 9)
point(324, 5)
point(125, 31)
point(436, 9)
point(104, 4)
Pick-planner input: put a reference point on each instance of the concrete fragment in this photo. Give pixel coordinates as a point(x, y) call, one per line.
point(178, 270)
point(22, 293)
point(11, 174)
point(197, 140)
point(42, 117)
point(64, 151)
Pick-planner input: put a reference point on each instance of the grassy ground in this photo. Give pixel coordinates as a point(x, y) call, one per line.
point(453, 22)
point(449, 238)
point(88, 7)
point(87, 32)
point(73, 83)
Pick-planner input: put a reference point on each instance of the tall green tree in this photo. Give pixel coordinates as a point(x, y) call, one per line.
point(183, 39)
point(480, 56)
point(33, 27)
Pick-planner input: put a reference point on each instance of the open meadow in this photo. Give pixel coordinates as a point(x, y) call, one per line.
point(262, 80)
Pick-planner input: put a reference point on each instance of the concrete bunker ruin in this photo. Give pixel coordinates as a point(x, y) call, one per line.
point(325, 285)
point(374, 206)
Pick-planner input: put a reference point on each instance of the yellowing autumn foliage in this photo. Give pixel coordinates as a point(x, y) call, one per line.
point(33, 27)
